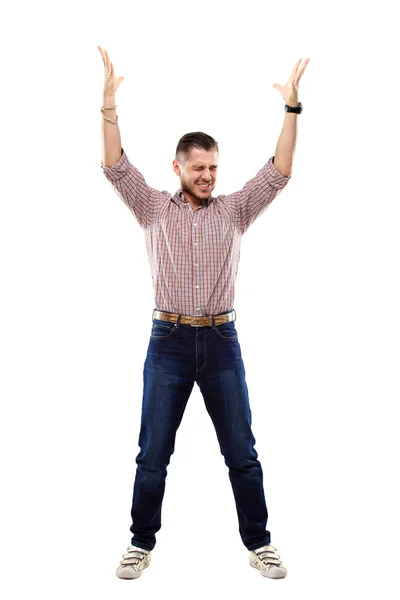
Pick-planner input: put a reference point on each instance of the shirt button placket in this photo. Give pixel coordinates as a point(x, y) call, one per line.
point(196, 264)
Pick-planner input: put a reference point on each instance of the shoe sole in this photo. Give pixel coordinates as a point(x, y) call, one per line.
point(264, 573)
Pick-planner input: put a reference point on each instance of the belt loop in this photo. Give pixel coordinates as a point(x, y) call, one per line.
point(152, 316)
point(235, 314)
point(178, 321)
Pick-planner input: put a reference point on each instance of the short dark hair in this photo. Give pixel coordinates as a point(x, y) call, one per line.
point(196, 139)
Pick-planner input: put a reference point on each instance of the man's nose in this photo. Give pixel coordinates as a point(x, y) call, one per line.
point(206, 175)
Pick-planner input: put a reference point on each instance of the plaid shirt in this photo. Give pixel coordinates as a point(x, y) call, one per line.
point(194, 255)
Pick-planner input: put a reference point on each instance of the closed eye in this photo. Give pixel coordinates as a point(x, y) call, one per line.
point(201, 168)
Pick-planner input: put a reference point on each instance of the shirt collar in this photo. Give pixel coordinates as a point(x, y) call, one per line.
point(180, 198)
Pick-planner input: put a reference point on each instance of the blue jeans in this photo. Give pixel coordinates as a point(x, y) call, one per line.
point(177, 357)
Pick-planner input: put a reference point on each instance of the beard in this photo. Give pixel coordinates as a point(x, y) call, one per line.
point(192, 190)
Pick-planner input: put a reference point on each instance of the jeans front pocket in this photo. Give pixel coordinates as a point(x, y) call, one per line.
point(162, 330)
point(227, 331)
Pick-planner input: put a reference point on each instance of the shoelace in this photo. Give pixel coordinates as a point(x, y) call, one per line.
point(269, 556)
point(133, 556)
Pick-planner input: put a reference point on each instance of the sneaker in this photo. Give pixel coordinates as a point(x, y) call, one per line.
point(133, 563)
point(268, 562)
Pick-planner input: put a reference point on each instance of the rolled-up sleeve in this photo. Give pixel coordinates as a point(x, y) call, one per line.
point(257, 194)
point(131, 187)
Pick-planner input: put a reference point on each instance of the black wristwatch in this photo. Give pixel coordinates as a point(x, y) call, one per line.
point(294, 109)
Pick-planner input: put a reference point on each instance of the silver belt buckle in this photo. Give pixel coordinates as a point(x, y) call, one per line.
point(191, 321)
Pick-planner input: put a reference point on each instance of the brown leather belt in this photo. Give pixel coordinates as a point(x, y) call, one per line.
point(193, 320)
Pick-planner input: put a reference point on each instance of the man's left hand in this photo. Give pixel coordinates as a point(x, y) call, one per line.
point(289, 91)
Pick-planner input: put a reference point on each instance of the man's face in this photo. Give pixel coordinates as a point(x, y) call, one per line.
point(198, 173)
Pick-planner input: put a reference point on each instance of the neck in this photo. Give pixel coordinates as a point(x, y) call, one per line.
point(195, 202)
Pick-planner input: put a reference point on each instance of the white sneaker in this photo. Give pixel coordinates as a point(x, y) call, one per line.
point(133, 563)
point(268, 562)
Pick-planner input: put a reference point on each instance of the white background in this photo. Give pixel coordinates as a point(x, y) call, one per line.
point(317, 295)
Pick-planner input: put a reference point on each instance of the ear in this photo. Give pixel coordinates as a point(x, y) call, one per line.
point(176, 167)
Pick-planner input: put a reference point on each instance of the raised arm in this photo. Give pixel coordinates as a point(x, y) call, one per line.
point(127, 181)
point(111, 136)
point(285, 148)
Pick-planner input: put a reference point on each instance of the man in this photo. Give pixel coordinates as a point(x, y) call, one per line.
point(193, 241)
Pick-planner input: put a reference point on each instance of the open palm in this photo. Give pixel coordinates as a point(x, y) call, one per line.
point(111, 81)
point(290, 89)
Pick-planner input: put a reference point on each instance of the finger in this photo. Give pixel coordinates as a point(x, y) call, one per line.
point(296, 67)
point(304, 65)
point(103, 55)
point(108, 63)
point(101, 52)
point(302, 69)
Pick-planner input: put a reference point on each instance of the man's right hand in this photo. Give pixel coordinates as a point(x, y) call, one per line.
point(111, 81)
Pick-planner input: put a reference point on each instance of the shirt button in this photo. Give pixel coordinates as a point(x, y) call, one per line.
point(195, 243)
point(197, 286)
point(195, 224)
point(196, 265)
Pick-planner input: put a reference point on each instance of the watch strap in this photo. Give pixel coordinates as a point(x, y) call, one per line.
point(294, 109)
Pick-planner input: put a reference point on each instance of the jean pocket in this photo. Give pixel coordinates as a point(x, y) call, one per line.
point(162, 330)
point(226, 331)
